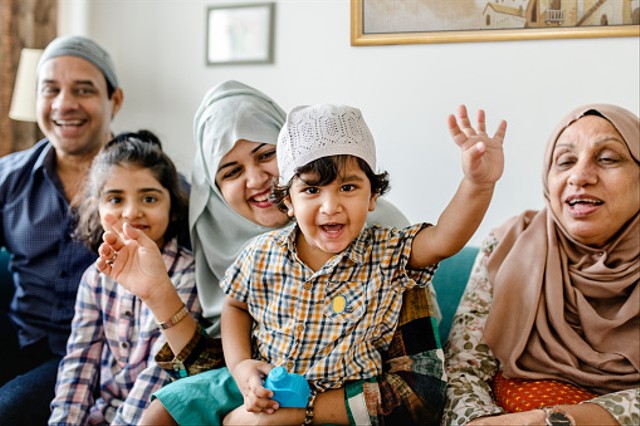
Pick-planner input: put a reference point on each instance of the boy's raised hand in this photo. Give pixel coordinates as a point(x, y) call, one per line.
point(131, 258)
point(482, 156)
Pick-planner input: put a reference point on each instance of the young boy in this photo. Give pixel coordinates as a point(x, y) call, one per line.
point(322, 296)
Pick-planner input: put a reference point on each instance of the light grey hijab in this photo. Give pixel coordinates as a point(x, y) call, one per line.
point(229, 112)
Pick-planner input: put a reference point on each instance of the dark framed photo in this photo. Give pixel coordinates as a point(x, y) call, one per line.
point(240, 34)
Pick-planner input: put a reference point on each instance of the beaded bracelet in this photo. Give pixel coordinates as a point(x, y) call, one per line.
point(308, 415)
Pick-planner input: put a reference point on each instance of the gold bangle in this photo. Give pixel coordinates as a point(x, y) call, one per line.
point(183, 312)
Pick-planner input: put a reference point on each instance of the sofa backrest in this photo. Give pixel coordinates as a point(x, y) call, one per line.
point(450, 281)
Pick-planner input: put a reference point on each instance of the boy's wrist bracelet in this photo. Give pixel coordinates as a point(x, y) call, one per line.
point(308, 415)
point(176, 318)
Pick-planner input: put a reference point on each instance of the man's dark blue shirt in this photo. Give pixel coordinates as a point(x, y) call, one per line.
point(47, 263)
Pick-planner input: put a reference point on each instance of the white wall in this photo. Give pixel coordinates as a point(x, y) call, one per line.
point(404, 91)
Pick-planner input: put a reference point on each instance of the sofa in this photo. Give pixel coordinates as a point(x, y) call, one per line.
point(449, 282)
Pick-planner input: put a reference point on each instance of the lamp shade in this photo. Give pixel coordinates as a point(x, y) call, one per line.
point(23, 100)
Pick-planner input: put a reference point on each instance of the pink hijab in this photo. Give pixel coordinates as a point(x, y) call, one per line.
point(563, 310)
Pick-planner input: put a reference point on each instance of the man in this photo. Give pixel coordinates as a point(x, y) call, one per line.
point(77, 97)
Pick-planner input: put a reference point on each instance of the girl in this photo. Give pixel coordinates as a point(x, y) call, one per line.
point(114, 336)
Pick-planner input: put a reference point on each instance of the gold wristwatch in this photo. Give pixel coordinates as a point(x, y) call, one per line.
point(557, 417)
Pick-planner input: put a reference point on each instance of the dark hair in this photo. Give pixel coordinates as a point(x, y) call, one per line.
point(110, 89)
point(327, 170)
point(142, 149)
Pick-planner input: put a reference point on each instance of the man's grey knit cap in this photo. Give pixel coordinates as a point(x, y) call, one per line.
point(81, 47)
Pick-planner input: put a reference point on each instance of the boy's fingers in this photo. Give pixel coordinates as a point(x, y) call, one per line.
point(501, 131)
point(482, 125)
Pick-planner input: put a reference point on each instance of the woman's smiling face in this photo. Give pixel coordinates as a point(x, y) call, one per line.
point(244, 178)
point(594, 182)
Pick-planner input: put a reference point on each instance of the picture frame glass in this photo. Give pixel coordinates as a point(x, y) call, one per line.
point(239, 34)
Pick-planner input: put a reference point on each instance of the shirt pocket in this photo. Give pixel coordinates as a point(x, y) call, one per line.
point(343, 313)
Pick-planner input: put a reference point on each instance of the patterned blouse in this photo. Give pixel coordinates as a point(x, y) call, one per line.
point(470, 364)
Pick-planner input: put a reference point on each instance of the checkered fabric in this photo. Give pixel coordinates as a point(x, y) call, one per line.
point(331, 325)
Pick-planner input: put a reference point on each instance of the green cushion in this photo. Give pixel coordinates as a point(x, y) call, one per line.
point(450, 281)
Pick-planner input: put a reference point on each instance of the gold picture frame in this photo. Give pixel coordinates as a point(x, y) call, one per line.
point(383, 24)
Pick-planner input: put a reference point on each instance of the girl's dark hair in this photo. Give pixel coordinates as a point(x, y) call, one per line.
point(142, 149)
point(326, 170)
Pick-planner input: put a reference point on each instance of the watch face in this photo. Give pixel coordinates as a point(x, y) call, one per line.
point(558, 418)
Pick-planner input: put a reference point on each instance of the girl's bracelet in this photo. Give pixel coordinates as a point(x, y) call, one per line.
point(183, 312)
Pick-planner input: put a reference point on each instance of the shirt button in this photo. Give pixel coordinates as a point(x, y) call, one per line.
point(127, 313)
point(289, 366)
point(124, 345)
point(300, 328)
point(307, 286)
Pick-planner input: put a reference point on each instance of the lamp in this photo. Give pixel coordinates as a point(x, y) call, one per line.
point(23, 100)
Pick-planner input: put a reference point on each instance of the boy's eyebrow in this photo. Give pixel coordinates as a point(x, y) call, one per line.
point(349, 178)
point(352, 178)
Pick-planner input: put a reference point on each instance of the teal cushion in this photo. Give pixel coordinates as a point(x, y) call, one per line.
point(450, 281)
point(7, 287)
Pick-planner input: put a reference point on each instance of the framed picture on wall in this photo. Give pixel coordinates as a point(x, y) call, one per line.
point(240, 34)
point(378, 22)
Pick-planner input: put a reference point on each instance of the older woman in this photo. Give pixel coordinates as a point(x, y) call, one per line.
point(549, 328)
point(236, 128)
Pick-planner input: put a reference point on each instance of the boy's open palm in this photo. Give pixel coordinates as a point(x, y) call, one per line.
point(482, 156)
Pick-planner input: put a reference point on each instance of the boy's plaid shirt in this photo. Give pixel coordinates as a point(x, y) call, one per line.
point(331, 325)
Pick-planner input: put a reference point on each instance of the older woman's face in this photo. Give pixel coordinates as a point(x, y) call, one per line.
point(594, 182)
point(244, 178)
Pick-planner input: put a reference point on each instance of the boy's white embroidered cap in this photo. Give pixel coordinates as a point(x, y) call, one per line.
point(324, 130)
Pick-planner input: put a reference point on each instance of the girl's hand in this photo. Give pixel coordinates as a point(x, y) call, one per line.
point(249, 375)
point(131, 258)
point(482, 156)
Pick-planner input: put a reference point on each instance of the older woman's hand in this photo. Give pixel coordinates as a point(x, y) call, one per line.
point(482, 155)
point(527, 418)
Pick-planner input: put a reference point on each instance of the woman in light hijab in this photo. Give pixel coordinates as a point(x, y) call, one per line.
point(236, 129)
point(549, 326)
